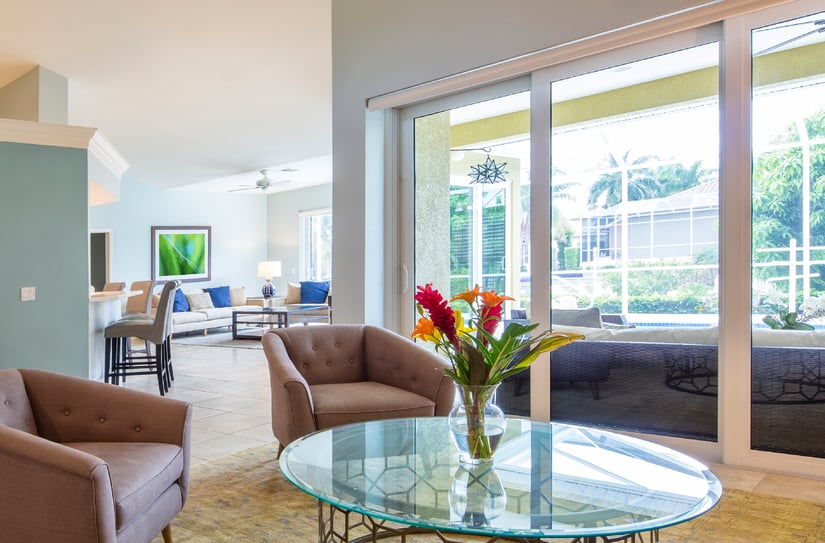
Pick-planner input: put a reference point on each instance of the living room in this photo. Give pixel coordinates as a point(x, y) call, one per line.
point(51, 246)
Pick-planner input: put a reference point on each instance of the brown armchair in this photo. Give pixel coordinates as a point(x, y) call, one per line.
point(326, 376)
point(86, 461)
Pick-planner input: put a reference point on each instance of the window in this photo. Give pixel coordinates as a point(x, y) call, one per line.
point(315, 250)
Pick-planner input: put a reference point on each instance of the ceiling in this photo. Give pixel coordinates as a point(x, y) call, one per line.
point(196, 93)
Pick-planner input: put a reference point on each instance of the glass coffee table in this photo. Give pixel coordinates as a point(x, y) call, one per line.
point(275, 317)
point(393, 478)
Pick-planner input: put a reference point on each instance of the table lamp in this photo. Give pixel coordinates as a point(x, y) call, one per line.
point(268, 270)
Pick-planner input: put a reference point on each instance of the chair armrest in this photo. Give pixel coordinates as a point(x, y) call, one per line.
point(293, 414)
point(52, 492)
point(394, 360)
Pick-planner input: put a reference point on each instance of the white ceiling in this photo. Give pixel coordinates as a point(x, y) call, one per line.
point(189, 91)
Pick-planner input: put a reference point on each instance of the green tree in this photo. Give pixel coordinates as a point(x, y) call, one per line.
point(777, 197)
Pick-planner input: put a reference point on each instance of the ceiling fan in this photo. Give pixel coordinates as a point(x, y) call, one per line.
point(263, 183)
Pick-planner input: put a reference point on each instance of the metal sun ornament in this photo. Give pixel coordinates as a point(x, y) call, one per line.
point(488, 172)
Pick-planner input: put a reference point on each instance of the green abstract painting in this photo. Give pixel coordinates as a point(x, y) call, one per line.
point(181, 252)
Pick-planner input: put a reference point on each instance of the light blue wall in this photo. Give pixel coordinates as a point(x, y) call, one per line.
point(284, 208)
point(238, 224)
point(44, 244)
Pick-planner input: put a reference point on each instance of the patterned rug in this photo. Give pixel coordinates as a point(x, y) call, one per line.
point(244, 497)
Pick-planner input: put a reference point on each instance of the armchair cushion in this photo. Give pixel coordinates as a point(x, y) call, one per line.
point(141, 473)
point(337, 404)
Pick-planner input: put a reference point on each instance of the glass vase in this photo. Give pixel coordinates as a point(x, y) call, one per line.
point(477, 495)
point(476, 423)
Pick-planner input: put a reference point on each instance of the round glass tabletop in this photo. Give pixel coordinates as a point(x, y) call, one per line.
point(547, 480)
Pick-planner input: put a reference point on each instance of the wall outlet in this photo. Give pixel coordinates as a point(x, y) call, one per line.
point(27, 294)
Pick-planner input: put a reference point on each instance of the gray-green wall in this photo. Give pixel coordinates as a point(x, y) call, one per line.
point(44, 244)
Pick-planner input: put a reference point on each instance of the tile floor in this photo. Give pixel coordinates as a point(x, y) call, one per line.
point(229, 389)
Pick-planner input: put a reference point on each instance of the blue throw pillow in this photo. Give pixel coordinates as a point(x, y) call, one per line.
point(180, 304)
point(314, 292)
point(220, 296)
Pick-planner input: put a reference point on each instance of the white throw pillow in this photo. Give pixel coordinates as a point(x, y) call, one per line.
point(237, 296)
point(293, 293)
point(199, 300)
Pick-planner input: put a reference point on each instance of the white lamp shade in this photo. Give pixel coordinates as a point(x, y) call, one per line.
point(271, 268)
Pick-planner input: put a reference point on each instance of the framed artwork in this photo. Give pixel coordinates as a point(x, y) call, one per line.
point(181, 252)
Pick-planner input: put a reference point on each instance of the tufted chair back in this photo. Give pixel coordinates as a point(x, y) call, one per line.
point(327, 375)
point(15, 409)
point(326, 354)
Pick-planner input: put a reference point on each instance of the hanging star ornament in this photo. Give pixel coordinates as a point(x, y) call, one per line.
point(489, 172)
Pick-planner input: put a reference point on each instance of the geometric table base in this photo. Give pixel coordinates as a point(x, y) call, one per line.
point(336, 525)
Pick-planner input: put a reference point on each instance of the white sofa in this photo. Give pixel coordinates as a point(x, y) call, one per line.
point(204, 316)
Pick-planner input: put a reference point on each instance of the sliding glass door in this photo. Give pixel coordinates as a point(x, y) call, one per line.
point(670, 210)
point(788, 225)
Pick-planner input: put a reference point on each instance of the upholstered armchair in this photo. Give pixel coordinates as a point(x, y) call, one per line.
point(84, 461)
point(326, 376)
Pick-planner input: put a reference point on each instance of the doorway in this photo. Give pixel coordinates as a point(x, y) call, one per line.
point(98, 259)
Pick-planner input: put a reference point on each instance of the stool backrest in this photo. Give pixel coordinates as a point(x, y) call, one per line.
point(114, 286)
point(140, 303)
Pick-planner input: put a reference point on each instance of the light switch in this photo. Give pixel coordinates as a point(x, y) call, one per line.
point(27, 294)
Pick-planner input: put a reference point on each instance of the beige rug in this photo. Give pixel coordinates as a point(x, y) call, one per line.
point(244, 498)
point(216, 339)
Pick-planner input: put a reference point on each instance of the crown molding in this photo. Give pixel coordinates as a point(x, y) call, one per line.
point(56, 135)
point(103, 150)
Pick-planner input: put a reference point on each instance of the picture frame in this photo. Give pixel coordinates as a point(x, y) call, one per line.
point(181, 253)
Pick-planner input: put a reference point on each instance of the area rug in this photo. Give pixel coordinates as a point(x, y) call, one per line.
point(244, 497)
point(217, 339)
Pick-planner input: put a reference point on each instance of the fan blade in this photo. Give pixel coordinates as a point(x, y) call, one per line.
point(243, 188)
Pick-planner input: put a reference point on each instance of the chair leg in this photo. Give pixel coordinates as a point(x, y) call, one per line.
point(167, 534)
point(159, 369)
point(280, 450)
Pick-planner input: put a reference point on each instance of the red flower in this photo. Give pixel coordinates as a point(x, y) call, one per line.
point(491, 309)
point(440, 312)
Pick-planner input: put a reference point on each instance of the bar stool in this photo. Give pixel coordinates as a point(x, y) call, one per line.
point(139, 306)
point(120, 362)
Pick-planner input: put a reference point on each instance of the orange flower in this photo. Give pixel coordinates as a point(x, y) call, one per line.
point(490, 299)
point(424, 329)
point(469, 296)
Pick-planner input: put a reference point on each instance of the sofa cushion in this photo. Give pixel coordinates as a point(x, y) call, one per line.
point(180, 303)
point(199, 300)
point(293, 293)
point(188, 317)
point(237, 296)
point(219, 296)
point(15, 409)
point(587, 318)
point(314, 292)
point(140, 473)
point(216, 313)
point(344, 403)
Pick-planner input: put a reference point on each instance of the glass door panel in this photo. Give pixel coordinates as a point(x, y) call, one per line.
point(471, 196)
point(788, 236)
point(635, 232)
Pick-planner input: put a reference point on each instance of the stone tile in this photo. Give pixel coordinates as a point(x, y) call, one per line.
point(224, 445)
point(230, 423)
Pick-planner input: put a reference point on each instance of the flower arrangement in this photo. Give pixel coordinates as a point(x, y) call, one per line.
point(477, 356)
point(812, 309)
point(479, 361)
